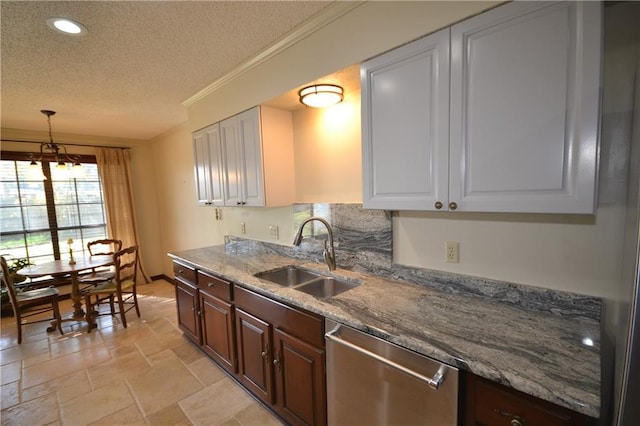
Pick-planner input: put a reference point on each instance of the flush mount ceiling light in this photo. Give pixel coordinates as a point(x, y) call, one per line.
point(321, 95)
point(57, 152)
point(67, 26)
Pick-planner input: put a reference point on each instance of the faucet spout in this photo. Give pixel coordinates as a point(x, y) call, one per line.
point(328, 253)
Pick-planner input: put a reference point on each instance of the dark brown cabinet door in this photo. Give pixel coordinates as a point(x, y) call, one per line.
point(492, 404)
point(188, 315)
point(300, 381)
point(255, 355)
point(218, 330)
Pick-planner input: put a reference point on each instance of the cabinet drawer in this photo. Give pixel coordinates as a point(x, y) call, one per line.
point(492, 404)
point(301, 324)
point(187, 273)
point(215, 286)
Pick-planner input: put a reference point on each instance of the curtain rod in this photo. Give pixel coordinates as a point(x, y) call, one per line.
point(67, 143)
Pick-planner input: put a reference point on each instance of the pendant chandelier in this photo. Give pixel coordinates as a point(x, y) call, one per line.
point(66, 165)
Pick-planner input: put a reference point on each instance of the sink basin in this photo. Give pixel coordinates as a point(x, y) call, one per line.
point(309, 282)
point(288, 276)
point(325, 287)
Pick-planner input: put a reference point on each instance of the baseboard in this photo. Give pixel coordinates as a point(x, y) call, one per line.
point(162, 277)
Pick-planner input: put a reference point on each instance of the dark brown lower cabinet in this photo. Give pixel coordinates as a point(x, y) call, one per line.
point(299, 371)
point(281, 357)
point(187, 305)
point(206, 313)
point(218, 337)
point(254, 355)
point(492, 404)
point(274, 350)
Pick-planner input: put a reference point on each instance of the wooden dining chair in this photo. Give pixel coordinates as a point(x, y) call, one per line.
point(103, 247)
point(122, 287)
point(30, 303)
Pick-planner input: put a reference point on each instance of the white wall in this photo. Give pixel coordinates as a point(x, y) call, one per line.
point(573, 253)
point(183, 224)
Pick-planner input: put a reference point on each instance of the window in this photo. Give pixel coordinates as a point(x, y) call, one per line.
point(37, 217)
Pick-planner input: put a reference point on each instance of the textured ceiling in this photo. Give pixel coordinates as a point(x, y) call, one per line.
point(128, 76)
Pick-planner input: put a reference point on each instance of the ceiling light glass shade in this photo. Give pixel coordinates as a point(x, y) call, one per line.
point(321, 95)
point(35, 172)
point(67, 26)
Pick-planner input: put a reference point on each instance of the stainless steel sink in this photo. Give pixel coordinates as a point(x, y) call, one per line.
point(309, 282)
point(325, 287)
point(288, 276)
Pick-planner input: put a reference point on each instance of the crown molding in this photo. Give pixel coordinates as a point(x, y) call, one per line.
point(317, 22)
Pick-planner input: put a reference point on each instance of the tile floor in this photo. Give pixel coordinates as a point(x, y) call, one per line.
point(146, 374)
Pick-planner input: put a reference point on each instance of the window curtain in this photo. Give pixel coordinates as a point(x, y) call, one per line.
point(114, 167)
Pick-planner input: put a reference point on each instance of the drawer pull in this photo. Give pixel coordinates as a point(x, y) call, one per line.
point(514, 419)
point(212, 284)
point(181, 271)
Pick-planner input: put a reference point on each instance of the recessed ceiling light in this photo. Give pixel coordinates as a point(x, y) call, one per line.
point(67, 26)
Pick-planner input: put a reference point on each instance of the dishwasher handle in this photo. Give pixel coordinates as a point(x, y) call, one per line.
point(433, 382)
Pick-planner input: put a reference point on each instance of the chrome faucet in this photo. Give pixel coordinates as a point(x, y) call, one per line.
point(328, 253)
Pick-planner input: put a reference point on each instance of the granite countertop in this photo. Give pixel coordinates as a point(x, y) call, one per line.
point(533, 351)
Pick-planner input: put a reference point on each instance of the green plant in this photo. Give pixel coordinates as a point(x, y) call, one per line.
point(17, 264)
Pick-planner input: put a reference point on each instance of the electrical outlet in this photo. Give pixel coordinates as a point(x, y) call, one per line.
point(243, 228)
point(274, 231)
point(452, 254)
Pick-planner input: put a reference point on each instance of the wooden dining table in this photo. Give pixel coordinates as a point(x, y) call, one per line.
point(62, 267)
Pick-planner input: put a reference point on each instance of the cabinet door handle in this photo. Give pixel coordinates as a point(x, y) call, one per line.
point(438, 205)
point(265, 353)
point(514, 419)
point(453, 206)
point(276, 361)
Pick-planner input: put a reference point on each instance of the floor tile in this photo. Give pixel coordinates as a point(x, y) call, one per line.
point(169, 416)
point(23, 351)
point(129, 365)
point(206, 371)
point(9, 395)
point(128, 416)
point(96, 405)
point(76, 382)
point(10, 372)
point(257, 415)
point(187, 352)
point(63, 365)
point(163, 385)
point(216, 403)
point(40, 411)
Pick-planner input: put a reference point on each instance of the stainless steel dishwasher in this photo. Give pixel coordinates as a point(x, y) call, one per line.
point(373, 382)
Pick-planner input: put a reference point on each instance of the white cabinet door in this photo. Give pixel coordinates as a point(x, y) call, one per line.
point(234, 161)
point(242, 145)
point(208, 166)
point(251, 141)
point(525, 89)
point(405, 126)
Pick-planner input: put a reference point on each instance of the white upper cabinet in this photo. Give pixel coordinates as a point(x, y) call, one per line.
point(255, 161)
point(405, 125)
point(208, 169)
point(523, 114)
point(525, 96)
